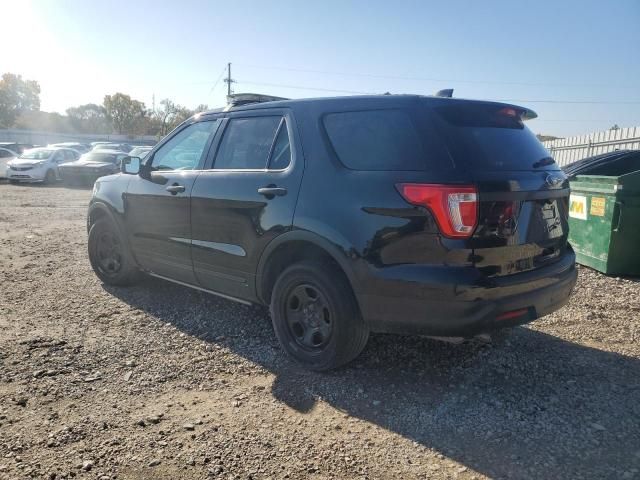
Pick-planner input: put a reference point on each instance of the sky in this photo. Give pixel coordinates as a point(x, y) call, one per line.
point(576, 63)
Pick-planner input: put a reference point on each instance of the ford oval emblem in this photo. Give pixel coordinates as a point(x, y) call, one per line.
point(553, 181)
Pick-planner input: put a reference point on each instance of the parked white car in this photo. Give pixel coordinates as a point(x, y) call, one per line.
point(39, 164)
point(5, 156)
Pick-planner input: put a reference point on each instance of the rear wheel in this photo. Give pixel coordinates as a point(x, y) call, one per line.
point(316, 317)
point(109, 254)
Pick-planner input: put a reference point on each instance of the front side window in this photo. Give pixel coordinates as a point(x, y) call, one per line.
point(246, 143)
point(184, 150)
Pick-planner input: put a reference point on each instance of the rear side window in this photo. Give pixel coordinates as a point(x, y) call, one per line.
point(246, 143)
point(375, 140)
point(281, 154)
point(490, 137)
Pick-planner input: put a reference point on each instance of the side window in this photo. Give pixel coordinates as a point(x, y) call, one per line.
point(58, 157)
point(4, 154)
point(281, 154)
point(70, 155)
point(184, 150)
point(246, 143)
point(375, 140)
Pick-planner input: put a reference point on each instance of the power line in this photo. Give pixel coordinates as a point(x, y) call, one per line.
point(299, 87)
point(595, 102)
point(217, 81)
point(430, 79)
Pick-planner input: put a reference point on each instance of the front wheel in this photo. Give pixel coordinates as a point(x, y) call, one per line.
point(109, 254)
point(50, 177)
point(316, 317)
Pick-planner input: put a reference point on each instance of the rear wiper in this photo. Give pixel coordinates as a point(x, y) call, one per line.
point(544, 162)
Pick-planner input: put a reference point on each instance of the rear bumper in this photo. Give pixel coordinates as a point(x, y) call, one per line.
point(459, 301)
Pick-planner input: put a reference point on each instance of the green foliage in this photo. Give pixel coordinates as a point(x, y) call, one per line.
point(89, 118)
point(123, 111)
point(44, 121)
point(17, 96)
point(170, 115)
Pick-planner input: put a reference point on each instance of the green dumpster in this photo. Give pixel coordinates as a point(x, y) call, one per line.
point(604, 222)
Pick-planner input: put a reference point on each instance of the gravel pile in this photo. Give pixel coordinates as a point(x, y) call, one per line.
point(162, 382)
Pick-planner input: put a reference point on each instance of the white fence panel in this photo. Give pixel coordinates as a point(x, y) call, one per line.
point(568, 150)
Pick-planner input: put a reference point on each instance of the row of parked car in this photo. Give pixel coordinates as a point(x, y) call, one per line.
point(70, 162)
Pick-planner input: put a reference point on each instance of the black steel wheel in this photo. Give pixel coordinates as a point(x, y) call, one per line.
point(309, 317)
point(316, 317)
point(109, 254)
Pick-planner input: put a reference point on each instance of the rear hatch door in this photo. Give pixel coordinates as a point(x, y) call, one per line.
point(522, 194)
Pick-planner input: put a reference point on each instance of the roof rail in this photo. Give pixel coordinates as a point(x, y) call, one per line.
point(238, 99)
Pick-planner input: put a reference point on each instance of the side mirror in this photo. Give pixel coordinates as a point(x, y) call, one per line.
point(130, 165)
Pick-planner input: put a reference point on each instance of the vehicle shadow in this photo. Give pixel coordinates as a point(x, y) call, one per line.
point(529, 405)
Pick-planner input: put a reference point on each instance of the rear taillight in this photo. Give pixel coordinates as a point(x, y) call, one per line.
point(455, 207)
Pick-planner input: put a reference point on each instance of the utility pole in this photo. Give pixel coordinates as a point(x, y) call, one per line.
point(229, 80)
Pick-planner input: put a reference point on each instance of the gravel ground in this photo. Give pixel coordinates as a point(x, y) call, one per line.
point(161, 382)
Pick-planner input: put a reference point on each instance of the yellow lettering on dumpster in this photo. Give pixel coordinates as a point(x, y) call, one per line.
point(578, 207)
point(597, 206)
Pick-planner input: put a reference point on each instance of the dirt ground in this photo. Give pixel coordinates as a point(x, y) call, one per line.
point(158, 381)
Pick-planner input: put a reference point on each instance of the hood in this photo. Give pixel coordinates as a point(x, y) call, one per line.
point(109, 178)
point(88, 163)
point(26, 162)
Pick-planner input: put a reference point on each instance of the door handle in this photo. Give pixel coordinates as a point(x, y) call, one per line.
point(272, 191)
point(175, 188)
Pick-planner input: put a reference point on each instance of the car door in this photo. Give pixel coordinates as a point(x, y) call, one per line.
point(244, 198)
point(157, 202)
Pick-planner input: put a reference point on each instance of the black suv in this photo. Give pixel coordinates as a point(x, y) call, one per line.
point(350, 215)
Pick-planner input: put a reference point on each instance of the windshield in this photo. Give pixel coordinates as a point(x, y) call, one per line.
point(36, 154)
point(491, 137)
point(100, 157)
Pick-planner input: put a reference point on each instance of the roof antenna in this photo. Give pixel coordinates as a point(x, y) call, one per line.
point(446, 93)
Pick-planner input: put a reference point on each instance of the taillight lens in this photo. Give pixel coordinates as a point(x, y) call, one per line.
point(455, 207)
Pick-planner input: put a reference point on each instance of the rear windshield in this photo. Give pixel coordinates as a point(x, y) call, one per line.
point(490, 137)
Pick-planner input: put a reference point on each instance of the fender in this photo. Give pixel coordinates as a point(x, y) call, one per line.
point(335, 251)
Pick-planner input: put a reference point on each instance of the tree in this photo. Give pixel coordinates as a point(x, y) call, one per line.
point(17, 96)
point(123, 112)
point(615, 127)
point(170, 115)
point(89, 118)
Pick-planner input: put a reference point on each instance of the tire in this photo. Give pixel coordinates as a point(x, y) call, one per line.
point(316, 317)
point(50, 177)
point(109, 254)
